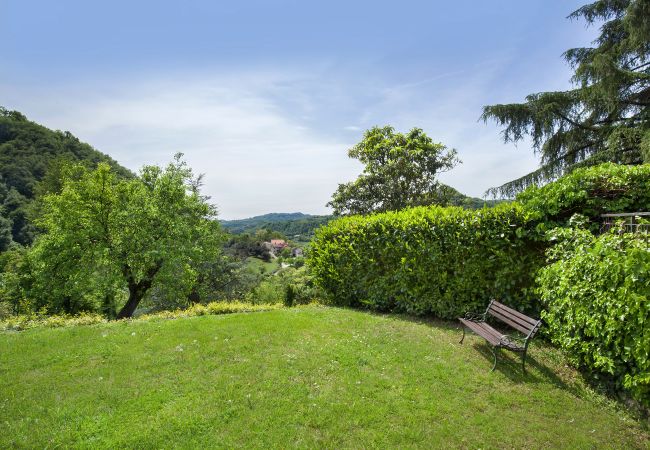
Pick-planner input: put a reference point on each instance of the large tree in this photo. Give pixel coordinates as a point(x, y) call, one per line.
point(400, 171)
point(109, 240)
point(605, 117)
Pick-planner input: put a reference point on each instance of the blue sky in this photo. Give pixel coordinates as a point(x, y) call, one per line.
point(265, 97)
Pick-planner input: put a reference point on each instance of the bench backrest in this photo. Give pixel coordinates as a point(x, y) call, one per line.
point(514, 318)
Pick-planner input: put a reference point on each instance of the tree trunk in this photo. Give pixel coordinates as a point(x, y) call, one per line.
point(135, 296)
point(137, 290)
point(194, 296)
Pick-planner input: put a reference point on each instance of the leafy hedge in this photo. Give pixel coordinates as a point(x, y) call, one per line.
point(597, 295)
point(591, 191)
point(428, 260)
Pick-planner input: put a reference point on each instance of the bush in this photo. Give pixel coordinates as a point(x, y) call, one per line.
point(25, 322)
point(276, 288)
point(429, 260)
point(596, 291)
point(592, 191)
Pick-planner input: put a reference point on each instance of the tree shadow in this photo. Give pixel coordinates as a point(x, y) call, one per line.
point(537, 372)
point(422, 320)
point(509, 364)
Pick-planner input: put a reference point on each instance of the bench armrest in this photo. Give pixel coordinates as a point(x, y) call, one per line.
point(475, 317)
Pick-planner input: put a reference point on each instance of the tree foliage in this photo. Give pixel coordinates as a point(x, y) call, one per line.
point(108, 241)
point(400, 170)
point(590, 191)
point(31, 157)
point(290, 224)
point(606, 116)
point(596, 295)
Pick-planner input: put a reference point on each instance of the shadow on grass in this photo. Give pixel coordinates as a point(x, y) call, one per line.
point(509, 364)
point(537, 372)
point(422, 320)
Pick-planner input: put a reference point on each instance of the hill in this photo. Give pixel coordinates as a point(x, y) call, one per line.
point(289, 224)
point(308, 377)
point(28, 152)
point(303, 225)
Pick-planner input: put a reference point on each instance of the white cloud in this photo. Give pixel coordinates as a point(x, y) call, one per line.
point(256, 157)
point(276, 141)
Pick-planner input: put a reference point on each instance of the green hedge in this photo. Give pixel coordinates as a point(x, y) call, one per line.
point(596, 291)
point(591, 191)
point(428, 260)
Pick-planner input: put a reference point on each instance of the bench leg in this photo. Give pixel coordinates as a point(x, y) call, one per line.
point(463, 338)
point(495, 351)
point(523, 362)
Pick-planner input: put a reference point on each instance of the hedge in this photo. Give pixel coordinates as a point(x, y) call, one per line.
point(590, 191)
point(26, 322)
point(429, 260)
point(596, 292)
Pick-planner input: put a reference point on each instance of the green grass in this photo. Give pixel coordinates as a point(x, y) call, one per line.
point(255, 264)
point(303, 377)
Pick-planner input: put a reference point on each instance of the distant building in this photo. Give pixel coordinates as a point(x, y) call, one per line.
point(297, 253)
point(278, 244)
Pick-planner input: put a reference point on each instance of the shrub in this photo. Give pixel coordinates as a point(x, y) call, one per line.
point(275, 288)
point(428, 260)
point(596, 291)
point(592, 191)
point(24, 322)
point(27, 321)
point(289, 296)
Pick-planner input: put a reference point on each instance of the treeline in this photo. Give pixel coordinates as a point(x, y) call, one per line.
point(246, 245)
point(303, 225)
point(288, 224)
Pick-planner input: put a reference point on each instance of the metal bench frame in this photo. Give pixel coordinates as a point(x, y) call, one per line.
point(511, 317)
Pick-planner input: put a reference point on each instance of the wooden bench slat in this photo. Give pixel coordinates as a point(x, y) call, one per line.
point(531, 325)
point(509, 313)
point(480, 328)
point(505, 319)
point(527, 327)
point(487, 329)
point(515, 313)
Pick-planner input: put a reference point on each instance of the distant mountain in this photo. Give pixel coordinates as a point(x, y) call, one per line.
point(29, 153)
point(303, 225)
point(289, 224)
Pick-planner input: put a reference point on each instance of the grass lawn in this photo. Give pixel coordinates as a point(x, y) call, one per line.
point(305, 377)
point(255, 264)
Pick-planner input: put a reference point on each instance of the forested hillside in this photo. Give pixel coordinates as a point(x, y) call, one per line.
point(31, 156)
point(289, 224)
point(294, 224)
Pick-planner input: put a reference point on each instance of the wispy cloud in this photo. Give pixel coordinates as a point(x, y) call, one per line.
point(271, 140)
point(256, 157)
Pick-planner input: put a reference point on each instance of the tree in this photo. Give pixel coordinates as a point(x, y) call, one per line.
point(606, 116)
point(31, 157)
point(400, 170)
point(106, 237)
point(5, 232)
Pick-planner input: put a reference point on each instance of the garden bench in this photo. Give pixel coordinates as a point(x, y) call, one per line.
point(527, 325)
